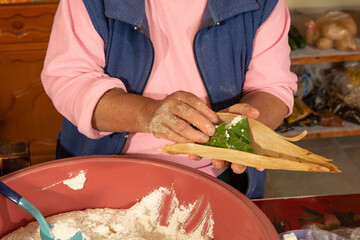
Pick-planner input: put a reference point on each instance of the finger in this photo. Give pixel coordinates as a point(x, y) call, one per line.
point(244, 109)
point(193, 116)
point(237, 168)
point(194, 157)
point(219, 164)
point(260, 169)
point(184, 129)
point(164, 124)
point(163, 131)
point(199, 105)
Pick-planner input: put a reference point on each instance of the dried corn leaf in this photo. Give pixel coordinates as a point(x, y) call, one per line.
point(272, 151)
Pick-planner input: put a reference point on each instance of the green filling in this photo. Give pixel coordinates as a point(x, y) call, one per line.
point(235, 136)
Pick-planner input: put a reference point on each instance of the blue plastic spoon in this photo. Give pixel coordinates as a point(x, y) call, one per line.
point(45, 228)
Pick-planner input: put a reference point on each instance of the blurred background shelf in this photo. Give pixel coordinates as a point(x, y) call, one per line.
point(310, 55)
point(323, 132)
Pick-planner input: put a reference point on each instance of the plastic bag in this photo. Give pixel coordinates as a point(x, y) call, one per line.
point(315, 233)
point(312, 84)
point(338, 106)
point(332, 29)
point(352, 70)
point(346, 82)
point(302, 116)
point(305, 85)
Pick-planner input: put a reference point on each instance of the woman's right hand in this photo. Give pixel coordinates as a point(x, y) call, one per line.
point(171, 117)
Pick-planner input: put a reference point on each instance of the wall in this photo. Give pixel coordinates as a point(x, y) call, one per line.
point(321, 3)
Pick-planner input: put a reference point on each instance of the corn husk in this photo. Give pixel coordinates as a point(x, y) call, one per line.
point(272, 151)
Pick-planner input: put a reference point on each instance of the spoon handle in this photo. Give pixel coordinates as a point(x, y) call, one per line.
point(45, 228)
point(9, 193)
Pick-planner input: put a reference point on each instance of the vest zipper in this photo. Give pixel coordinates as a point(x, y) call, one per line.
point(207, 23)
point(146, 34)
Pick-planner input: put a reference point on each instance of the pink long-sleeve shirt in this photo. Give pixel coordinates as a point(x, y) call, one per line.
point(74, 78)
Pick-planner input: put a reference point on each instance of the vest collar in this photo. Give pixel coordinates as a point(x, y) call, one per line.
point(219, 10)
point(133, 11)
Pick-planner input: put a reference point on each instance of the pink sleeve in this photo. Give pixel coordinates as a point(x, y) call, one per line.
point(73, 74)
point(269, 68)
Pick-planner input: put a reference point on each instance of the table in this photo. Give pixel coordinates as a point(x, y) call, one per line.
point(327, 212)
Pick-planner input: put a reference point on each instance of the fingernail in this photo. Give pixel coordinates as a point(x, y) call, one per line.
point(238, 169)
point(194, 157)
point(250, 109)
point(215, 120)
point(210, 130)
point(217, 165)
point(204, 138)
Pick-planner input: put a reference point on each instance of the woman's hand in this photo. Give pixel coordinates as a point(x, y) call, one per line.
point(241, 109)
point(171, 117)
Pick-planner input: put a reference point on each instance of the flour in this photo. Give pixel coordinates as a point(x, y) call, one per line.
point(77, 182)
point(290, 236)
point(235, 121)
point(157, 216)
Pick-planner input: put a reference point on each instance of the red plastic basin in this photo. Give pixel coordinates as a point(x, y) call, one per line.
point(119, 182)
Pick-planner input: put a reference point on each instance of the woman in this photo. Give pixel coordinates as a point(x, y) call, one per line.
point(131, 76)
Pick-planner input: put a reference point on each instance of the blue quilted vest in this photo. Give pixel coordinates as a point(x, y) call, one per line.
point(222, 49)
